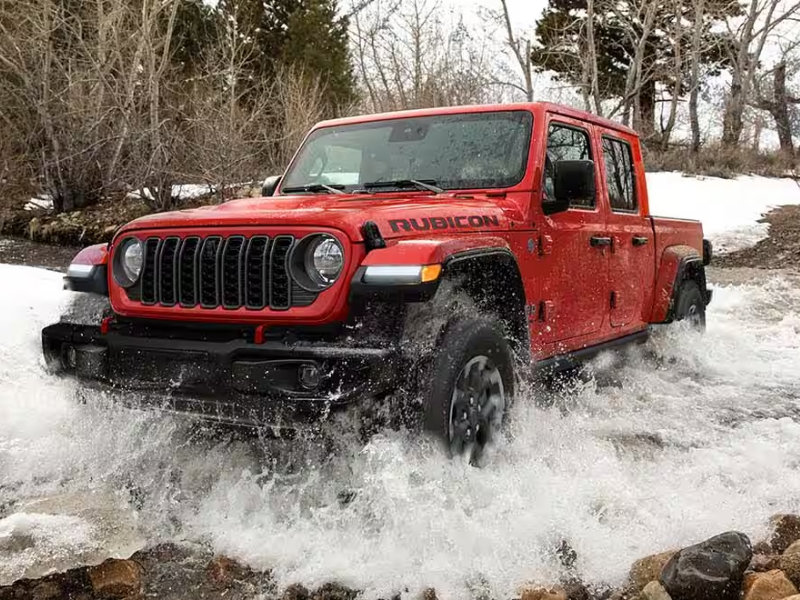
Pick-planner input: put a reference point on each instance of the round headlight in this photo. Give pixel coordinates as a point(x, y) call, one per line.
point(129, 260)
point(324, 260)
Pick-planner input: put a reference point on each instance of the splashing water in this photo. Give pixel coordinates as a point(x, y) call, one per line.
point(671, 442)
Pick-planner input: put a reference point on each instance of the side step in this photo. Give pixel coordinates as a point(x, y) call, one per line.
point(575, 358)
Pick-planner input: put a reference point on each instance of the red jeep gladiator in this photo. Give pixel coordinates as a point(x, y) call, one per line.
point(432, 256)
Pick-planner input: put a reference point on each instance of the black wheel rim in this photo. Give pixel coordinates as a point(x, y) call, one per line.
point(476, 408)
point(694, 317)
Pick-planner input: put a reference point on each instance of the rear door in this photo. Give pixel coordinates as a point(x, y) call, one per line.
point(572, 267)
point(631, 257)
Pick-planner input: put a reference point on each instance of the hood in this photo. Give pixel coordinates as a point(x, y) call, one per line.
point(399, 215)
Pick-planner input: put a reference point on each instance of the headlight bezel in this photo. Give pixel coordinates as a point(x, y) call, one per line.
point(120, 267)
point(301, 262)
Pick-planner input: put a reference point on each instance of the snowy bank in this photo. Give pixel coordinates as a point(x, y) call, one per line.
point(728, 208)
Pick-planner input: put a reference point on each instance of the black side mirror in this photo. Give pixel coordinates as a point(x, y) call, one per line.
point(270, 184)
point(572, 180)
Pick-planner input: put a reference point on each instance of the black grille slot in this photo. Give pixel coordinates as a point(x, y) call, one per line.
point(232, 272)
point(231, 267)
point(187, 269)
point(280, 289)
point(168, 263)
point(150, 271)
point(256, 272)
point(209, 272)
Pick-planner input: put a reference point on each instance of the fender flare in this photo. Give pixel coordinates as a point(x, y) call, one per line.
point(430, 251)
point(677, 264)
point(88, 271)
point(449, 252)
point(460, 257)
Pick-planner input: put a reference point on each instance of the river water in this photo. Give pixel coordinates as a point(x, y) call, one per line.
point(669, 443)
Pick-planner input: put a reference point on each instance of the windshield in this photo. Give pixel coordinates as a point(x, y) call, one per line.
point(465, 151)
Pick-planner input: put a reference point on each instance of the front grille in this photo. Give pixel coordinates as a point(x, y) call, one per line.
point(232, 272)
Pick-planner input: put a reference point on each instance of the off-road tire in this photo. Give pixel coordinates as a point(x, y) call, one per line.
point(690, 306)
point(462, 341)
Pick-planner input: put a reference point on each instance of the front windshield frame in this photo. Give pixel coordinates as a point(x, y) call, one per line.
point(524, 118)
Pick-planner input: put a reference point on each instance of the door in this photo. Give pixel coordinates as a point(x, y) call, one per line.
point(573, 263)
point(631, 258)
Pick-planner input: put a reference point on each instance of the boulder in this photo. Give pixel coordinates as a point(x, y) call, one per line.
point(334, 591)
point(789, 563)
point(223, 571)
point(654, 591)
point(295, 591)
point(772, 585)
point(764, 562)
point(785, 531)
point(647, 569)
point(116, 578)
point(46, 590)
point(576, 590)
point(710, 570)
point(540, 593)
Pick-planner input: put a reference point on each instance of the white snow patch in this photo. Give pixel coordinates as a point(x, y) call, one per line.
point(728, 208)
point(41, 202)
point(181, 191)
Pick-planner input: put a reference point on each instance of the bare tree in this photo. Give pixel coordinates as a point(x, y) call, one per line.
point(698, 12)
point(760, 22)
point(408, 56)
point(520, 47)
point(777, 103)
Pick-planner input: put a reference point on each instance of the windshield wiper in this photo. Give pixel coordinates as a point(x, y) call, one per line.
point(429, 185)
point(315, 188)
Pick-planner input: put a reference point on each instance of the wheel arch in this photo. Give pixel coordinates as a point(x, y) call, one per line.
point(677, 264)
point(492, 279)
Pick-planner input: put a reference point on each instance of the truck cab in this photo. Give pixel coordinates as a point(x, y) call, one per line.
point(415, 263)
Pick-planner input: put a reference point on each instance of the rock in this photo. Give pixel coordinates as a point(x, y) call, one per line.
point(566, 555)
point(772, 585)
point(46, 590)
point(785, 531)
point(116, 578)
point(710, 570)
point(654, 591)
point(789, 563)
point(429, 594)
point(647, 569)
point(295, 591)
point(764, 562)
point(223, 571)
point(334, 591)
point(555, 593)
point(576, 590)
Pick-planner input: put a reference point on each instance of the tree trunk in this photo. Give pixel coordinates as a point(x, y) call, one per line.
point(733, 120)
point(694, 82)
point(780, 110)
point(647, 109)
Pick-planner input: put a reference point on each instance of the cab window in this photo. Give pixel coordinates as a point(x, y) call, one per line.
point(620, 180)
point(565, 142)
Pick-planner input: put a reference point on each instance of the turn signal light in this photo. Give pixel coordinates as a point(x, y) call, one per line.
point(430, 273)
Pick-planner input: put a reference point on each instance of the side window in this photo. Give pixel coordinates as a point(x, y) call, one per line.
point(565, 143)
point(620, 179)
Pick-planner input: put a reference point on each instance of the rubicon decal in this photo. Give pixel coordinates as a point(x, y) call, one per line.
point(428, 223)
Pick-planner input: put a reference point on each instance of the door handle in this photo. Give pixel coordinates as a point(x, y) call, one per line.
point(599, 241)
point(640, 240)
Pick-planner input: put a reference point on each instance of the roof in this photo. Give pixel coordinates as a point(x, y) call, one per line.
point(477, 108)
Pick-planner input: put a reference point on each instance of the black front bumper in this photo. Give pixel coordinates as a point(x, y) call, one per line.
point(228, 380)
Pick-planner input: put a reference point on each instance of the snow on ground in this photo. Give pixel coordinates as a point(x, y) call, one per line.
point(728, 208)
